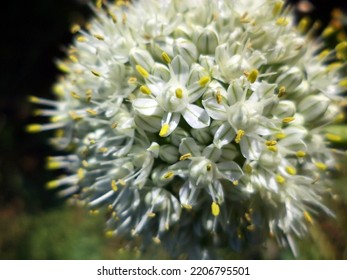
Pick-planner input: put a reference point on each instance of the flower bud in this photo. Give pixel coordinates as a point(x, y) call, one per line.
point(168, 153)
point(313, 106)
point(290, 78)
point(206, 41)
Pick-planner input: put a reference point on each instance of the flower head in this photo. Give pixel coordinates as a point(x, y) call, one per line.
point(195, 119)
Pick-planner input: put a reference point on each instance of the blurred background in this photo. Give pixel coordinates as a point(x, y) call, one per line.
point(34, 224)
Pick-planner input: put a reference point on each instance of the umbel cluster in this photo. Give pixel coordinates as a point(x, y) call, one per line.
point(196, 124)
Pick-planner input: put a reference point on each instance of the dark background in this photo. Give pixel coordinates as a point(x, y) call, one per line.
point(34, 34)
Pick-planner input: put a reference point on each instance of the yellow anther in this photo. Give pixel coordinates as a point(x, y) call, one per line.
point(132, 80)
point(63, 67)
point(73, 58)
point(187, 206)
point(95, 73)
point(109, 233)
point(91, 141)
point(209, 167)
point(248, 169)
point(343, 83)
point(55, 119)
point(271, 143)
point(114, 186)
point(323, 54)
point(164, 130)
point(179, 93)
point(98, 4)
point(204, 81)
point(81, 39)
point(150, 215)
point(341, 46)
point(215, 209)
point(239, 135)
point(328, 31)
point(235, 183)
point(288, 119)
point(52, 184)
point(124, 18)
point(253, 75)
point(33, 99)
point(75, 95)
point(33, 128)
point(291, 170)
point(280, 179)
point(272, 148)
point(59, 133)
point(339, 118)
point(219, 97)
point(186, 156)
point(53, 165)
point(334, 66)
point(80, 173)
point(103, 150)
point(282, 21)
point(91, 112)
point(168, 175)
point(142, 71)
point(99, 37)
point(300, 154)
point(37, 112)
point(166, 58)
point(277, 8)
point(114, 125)
point(303, 25)
point(333, 137)
point(85, 163)
point(94, 212)
point(281, 92)
point(75, 28)
point(308, 217)
point(113, 16)
point(280, 135)
point(145, 90)
point(320, 165)
point(156, 240)
point(58, 90)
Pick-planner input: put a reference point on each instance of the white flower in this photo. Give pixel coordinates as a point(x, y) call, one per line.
point(186, 118)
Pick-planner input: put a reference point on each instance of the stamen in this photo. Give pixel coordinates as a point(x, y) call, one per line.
point(320, 165)
point(204, 81)
point(73, 58)
point(281, 92)
point(164, 130)
point(239, 135)
point(343, 83)
point(53, 164)
point(179, 93)
point(252, 76)
point(288, 120)
point(150, 215)
point(75, 28)
point(282, 21)
point(91, 112)
point(75, 95)
point(81, 39)
point(99, 37)
point(95, 73)
point(142, 71)
point(209, 167)
point(333, 137)
point(272, 148)
point(219, 97)
point(291, 170)
point(34, 128)
point(280, 135)
point(308, 217)
point(300, 154)
point(99, 4)
point(186, 156)
point(271, 143)
point(187, 206)
point(279, 179)
point(215, 209)
point(168, 175)
point(277, 8)
point(145, 90)
point(114, 186)
point(166, 58)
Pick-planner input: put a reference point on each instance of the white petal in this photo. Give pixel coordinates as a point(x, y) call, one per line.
point(216, 111)
point(235, 93)
point(266, 126)
point(224, 135)
point(146, 106)
point(196, 116)
point(148, 123)
point(188, 145)
point(172, 121)
point(250, 148)
point(212, 152)
point(195, 91)
point(180, 69)
point(230, 170)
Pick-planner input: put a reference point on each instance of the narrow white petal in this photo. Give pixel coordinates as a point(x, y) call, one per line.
point(235, 93)
point(188, 145)
point(230, 170)
point(250, 148)
point(146, 106)
point(224, 135)
point(196, 116)
point(212, 152)
point(214, 110)
point(180, 69)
